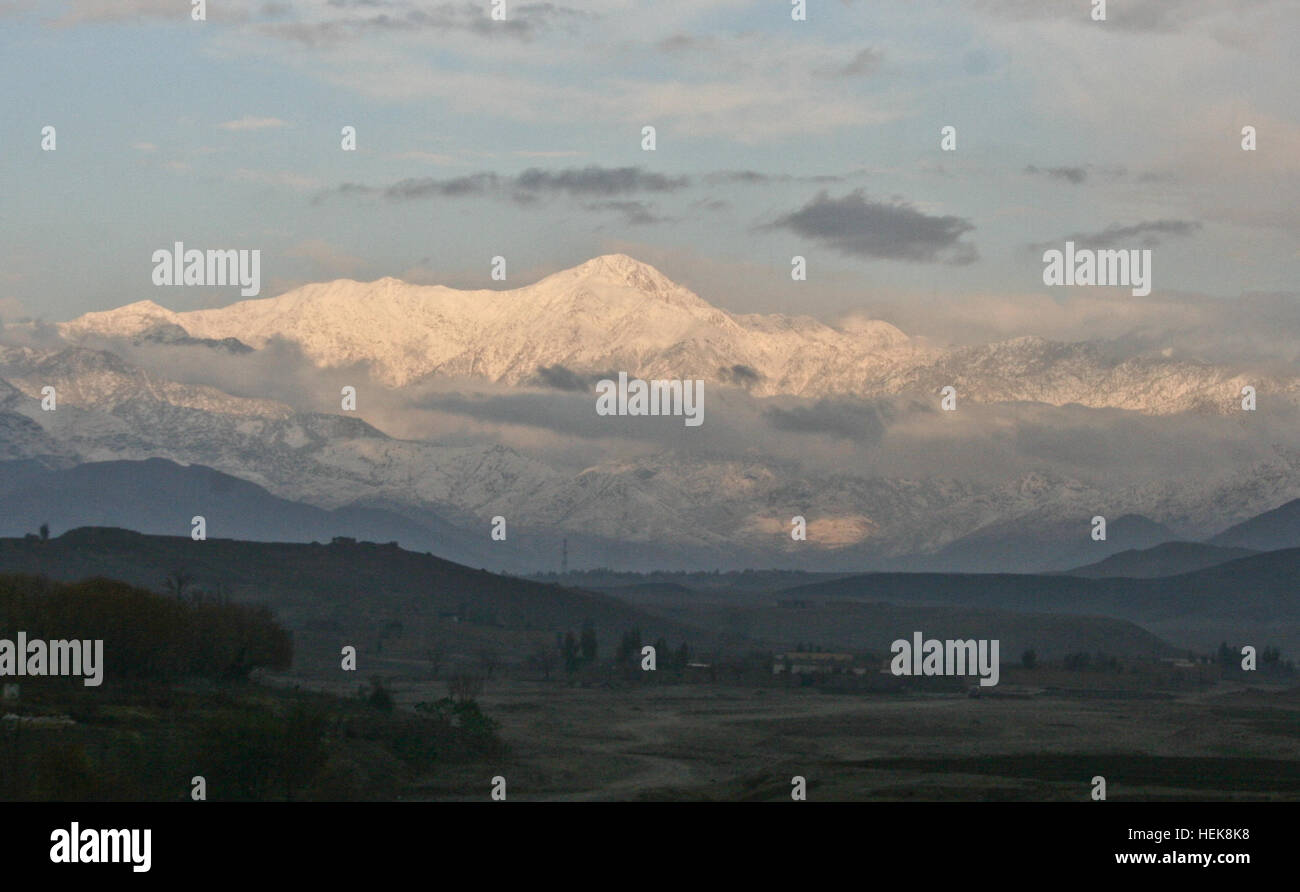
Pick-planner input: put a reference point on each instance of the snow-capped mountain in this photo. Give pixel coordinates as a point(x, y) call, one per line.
point(732, 509)
point(610, 314)
point(616, 313)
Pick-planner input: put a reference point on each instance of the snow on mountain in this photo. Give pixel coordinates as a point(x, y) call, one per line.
point(724, 508)
point(102, 380)
point(616, 313)
point(610, 314)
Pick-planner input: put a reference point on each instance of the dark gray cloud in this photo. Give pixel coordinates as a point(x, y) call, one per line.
point(1078, 174)
point(861, 422)
point(523, 22)
point(684, 43)
point(739, 375)
point(558, 377)
point(1075, 175)
point(635, 213)
point(755, 178)
point(1147, 234)
point(427, 187)
point(590, 182)
point(595, 180)
point(864, 62)
point(891, 230)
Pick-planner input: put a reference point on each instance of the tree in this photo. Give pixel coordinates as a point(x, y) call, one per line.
point(588, 642)
point(178, 582)
point(569, 651)
point(629, 647)
point(663, 655)
point(45, 532)
point(543, 659)
point(683, 656)
point(379, 697)
point(435, 653)
point(463, 688)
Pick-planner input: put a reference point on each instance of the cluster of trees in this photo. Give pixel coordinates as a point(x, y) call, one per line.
point(802, 648)
point(1083, 661)
point(666, 659)
point(580, 650)
point(147, 635)
point(1270, 658)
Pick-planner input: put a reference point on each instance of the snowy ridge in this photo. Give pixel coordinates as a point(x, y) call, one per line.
point(616, 313)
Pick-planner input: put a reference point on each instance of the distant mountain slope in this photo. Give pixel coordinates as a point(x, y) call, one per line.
point(1279, 528)
point(353, 588)
point(1260, 587)
point(1166, 559)
point(1042, 542)
point(875, 626)
point(351, 593)
point(161, 497)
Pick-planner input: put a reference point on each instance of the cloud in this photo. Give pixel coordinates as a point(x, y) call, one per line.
point(864, 62)
point(740, 376)
point(893, 230)
point(427, 187)
point(1080, 173)
point(755, 178)
point(252, 123)
point(558, 377)
point(1147, 234)
point(1148, 16)
point(581, 182)
point(83, 12)
point(1075, 175)
point(595, 180)
point(635, 213)
point(860, 422)
point(523, 22)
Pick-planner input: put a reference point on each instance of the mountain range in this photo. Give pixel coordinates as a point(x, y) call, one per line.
point(668, 507)
point(616, 313)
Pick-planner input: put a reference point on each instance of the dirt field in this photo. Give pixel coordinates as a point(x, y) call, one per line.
point(735, 743)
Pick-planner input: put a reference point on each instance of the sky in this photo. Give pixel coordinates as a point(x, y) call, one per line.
point(774, 138)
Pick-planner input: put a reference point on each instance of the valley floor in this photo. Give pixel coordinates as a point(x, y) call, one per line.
point(727, 743)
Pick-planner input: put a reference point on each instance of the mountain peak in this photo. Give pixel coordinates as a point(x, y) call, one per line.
point(128, 320)
point(625, 270)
